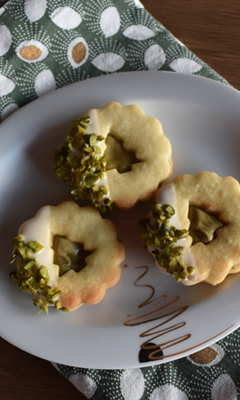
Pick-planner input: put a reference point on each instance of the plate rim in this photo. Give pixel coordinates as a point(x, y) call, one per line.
point(23, 110)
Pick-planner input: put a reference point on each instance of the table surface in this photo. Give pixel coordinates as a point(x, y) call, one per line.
point(210, 29)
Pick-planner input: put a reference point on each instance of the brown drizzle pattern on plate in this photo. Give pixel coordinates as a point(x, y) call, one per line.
point(157, 309)
point(154, 310)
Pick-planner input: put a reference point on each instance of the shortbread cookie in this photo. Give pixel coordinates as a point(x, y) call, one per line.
point(203, 248)
point(48, 255)
point(114, 155)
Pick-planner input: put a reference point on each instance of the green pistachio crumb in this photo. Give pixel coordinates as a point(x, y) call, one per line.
point(32, 277)
point(43, 272)
point(190, 270)
point(55, 295)
point(93, 139)
point(22, 252)
point(43, 307)
point(13, 277)
point(105, 190)
point(29, 265)
point(163, 237)
point(58, 305)
point(78, 161)
point(64, 309)
point(35, 246)
point(13, 258)
point(17, 241)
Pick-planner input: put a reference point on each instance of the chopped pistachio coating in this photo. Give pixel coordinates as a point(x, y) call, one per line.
point(163, 237)
point(30, 276)
point(78, 161)
point(35, 246)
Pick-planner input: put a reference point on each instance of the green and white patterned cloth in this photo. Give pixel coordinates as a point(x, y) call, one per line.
point(47, 44)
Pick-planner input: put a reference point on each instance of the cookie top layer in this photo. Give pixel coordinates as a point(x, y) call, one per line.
point(217, 196)
point(34, 256)
point(220, 196)
point(140, 135)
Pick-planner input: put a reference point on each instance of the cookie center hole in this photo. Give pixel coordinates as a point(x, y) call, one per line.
point(69, 255)
point(203, 225)
point(117, 156)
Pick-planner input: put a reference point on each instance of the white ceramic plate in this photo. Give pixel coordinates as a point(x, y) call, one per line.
point(202, 120)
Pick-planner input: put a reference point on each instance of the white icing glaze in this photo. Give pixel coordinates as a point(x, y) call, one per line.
point(103, 181)
point(167, 195)
point(93, 127)
point(38, 228)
